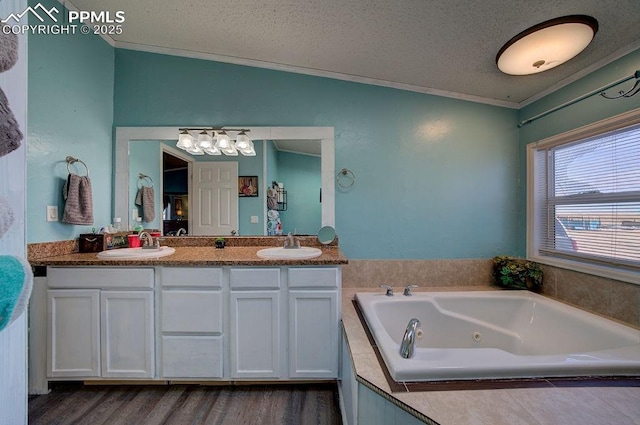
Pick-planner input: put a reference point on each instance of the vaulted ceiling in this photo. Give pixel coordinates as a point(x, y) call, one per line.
point(445, 47)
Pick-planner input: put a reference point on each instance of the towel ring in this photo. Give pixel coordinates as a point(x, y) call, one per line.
point(345, 178)
point(143, 178)
point(71, 160)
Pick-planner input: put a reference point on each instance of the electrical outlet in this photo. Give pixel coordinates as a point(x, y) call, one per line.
point(254, 219)
point(52, 213)
point(134, 213)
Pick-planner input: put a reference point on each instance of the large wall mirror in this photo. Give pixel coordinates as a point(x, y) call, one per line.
point(302, 158)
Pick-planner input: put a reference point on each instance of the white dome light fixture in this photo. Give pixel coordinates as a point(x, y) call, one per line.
point(546, 45)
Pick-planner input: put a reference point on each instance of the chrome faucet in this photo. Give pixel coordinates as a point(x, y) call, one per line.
point(148, 241)
point(181, 231)
point(409, 339)
point(389, 290)
point(291, 242)
point(407, 290)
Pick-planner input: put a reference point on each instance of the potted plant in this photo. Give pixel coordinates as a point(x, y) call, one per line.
point(220, 243)
point(517, 273)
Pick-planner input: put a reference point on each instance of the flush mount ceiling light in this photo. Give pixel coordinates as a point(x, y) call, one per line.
point(215, 141)
point(546, 45)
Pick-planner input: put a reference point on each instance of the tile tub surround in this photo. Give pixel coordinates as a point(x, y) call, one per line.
point(424, 273)
point(532, 406)
point(607, 297)
point(611, 298)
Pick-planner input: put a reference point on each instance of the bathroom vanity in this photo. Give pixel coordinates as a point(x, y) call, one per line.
point(199, 315)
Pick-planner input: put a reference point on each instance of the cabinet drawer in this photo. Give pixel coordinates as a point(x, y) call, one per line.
point(324, 277)
point(191, 311)
point(192, 276)
point(263, 278)
point(192, 357)
point(100, 277)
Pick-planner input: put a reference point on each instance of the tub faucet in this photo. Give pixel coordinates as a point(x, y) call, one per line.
point(389, 290)
point(409, 339)
point(407, 290)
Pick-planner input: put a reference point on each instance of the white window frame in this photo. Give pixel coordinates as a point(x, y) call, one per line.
point(594, 129)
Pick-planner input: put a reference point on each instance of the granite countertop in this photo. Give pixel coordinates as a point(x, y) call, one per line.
point(196, 256)
point(584, 405)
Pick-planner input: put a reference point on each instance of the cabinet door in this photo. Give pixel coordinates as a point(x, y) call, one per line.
point(127, 334)
point(313, 334)
point(255, 334)
point(73, 335)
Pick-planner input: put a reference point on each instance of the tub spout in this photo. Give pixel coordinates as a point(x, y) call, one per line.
point(409, 339)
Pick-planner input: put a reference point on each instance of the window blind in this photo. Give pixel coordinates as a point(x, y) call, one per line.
point(587, 198)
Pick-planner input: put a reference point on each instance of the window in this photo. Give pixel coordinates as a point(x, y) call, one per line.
point(584, 197)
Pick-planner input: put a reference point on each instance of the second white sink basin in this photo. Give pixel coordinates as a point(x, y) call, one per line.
point(135, 253)
point(280, 253)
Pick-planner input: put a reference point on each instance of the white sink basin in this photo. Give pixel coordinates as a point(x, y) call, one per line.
point(135, 253)
point(280, 253)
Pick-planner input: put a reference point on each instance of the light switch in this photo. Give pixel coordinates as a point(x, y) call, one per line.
point(254, 219)
point(52, 213)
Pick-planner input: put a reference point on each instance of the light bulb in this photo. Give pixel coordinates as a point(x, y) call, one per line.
point(204, 140)
point(230, 151)
point(213, 151)
point(223, 141)
point(195, 151)
point(185, 140)
point(242, 141)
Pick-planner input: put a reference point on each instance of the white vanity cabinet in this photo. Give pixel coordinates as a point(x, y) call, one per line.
point(285, 322)
point(192, 322)
point(313, 322)
point(255, 322)
point(101, 323)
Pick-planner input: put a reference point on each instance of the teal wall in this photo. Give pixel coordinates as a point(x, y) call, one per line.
point(435, 177)
point(301, 176)
point(578, 115)
point(70, 110)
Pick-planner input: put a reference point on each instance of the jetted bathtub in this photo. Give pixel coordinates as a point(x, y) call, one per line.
point(497, 334)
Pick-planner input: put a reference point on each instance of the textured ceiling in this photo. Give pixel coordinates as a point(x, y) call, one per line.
point(435, 46)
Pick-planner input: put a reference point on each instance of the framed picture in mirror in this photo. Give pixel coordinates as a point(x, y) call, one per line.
point(247, 186)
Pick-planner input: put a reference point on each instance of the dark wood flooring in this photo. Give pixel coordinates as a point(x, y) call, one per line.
point(298, 404)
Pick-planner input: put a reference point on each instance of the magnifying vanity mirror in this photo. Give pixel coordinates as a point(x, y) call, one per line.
point(140, 150)
point(326, 235)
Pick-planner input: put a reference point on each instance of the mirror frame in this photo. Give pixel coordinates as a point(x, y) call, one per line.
point(125, 135)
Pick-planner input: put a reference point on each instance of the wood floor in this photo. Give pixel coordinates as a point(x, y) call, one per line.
point(187, 404)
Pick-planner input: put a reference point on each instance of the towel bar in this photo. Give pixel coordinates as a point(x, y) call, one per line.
point(71, 160)
point(142, 178)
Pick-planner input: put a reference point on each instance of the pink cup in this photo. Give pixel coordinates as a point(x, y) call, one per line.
point(134, 241)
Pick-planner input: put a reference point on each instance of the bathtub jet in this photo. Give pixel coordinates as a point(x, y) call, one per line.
point(494, 335)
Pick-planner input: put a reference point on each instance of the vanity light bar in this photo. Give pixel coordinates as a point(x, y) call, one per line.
point(216, 144)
